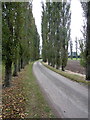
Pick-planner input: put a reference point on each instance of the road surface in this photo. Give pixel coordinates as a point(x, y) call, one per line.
point(68, 99)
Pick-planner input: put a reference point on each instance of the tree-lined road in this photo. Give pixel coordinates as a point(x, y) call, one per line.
point(69, 99)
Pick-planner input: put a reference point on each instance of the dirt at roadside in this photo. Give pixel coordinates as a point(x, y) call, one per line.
point(74, 66)
point(13, 100)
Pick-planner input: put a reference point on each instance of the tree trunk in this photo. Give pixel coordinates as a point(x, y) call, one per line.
point(44, 60)
point(88, 45)
point(63, 68)
point(88, 71)
point(8, 73)
point(71, 57)
point(15, 69)
point(22, 64)
point(19, 66)
point(53, 64)
point(57, 67)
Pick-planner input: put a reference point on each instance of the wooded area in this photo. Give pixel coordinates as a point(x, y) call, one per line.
point(56, 20)
point(20, 39)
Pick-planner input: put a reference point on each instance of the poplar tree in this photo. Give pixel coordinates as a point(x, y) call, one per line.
point(86, 56)
point(66, 19)
point(20, 41)
point(8, 39)
point(71, 49)
point(55, 33)
point(76, 44)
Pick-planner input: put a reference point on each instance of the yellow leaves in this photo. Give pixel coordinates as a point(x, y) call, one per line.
point(22, 115)
point(13, 101)
point(0, 116)
point(21, 101)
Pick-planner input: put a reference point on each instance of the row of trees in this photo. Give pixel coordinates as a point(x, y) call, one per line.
point(80, 46)
point(20, 39)
point(56, 18)
point(85, 43)
point(76, 49)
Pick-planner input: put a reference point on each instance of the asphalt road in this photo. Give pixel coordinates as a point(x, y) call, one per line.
point(67, 98)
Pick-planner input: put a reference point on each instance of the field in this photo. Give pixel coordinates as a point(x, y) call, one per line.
point(74, 66)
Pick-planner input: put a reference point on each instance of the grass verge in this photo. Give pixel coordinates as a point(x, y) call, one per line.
point(24, 98)
point(36, 106)
point(73, 59)
point(73, 77)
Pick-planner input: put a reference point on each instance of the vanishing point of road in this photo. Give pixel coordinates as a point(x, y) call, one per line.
point(67, 98)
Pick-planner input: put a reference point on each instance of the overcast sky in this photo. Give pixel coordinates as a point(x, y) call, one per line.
point(76, 18)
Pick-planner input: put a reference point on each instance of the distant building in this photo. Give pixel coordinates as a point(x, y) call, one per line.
point(73, 55)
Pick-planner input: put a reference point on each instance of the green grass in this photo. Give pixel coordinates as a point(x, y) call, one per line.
point(36, 106)
point(73, 77)
point(74, 59)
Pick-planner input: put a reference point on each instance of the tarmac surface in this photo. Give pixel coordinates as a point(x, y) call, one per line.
point(68, 99)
